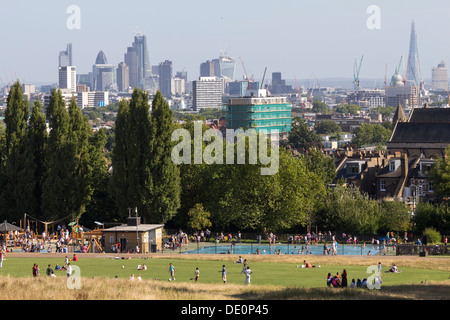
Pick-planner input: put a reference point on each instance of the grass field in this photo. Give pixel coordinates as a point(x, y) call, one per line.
point(274, 277)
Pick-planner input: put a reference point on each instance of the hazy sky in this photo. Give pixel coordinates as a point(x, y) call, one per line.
point(302, 39)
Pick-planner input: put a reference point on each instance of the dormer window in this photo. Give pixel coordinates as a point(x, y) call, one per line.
point(353, 168)
point(391, 166)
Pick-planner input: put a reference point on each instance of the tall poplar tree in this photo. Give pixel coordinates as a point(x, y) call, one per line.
point(32, 174)
point(144, 176)
point(165, 200)
point(16, 117)
point(56, 186)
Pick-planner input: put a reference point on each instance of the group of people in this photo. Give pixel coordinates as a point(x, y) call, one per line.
point(245, 270)
point(50, 272)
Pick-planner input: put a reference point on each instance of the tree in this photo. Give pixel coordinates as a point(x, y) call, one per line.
point(34, 171)
point(68, 181)
point(347, 108)
point(394, 216)
point(320, 164)
point(371, 134)
point(320, 107)
point(143, 173)
point(301, 137)
point(440, 174)
point(327, 127)
point(165, 198)
point(199, 218)
point(349, 210)
point(16, 118)
point(132, 182)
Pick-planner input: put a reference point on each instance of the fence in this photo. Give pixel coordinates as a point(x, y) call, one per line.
point(411, 249)
point(285, 249)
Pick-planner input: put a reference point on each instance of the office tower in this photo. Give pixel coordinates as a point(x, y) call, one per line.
point(413, 73)
point(207, 93)
point(439, 77)
point(207, 69)
point(278, 85)
point(65, 57)
point(260, 112)
point(85, 79)
point(103, 74)
point(123, 74)
point(67, 78)
point(239, 88)
point(144, 67)
point(165, 78)
point(138, 62)
point(224, 67)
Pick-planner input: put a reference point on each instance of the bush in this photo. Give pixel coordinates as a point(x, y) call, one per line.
point(433, 235)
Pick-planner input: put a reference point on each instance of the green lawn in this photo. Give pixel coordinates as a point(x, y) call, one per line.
point(267, 273)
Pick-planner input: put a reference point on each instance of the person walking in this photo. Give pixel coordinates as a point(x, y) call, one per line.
point(69, 270)
point(248, 273)
point(197, 274)
point(2, 253)
point(224, 274)
point(172, 271)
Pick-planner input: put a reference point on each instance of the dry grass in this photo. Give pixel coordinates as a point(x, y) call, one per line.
point(125, 290)
point(99, 288)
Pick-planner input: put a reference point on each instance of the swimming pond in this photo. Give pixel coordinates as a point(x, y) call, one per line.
point(284, 249)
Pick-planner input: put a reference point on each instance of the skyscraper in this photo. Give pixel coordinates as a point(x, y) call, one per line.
point(68, 78)
point(138, 62)
point(439, 77)
point(207, 69)
point(103, 74)
point(224, 67)
point(413, 73)
point(65, 57)
point(165, 78)
point(123, 73)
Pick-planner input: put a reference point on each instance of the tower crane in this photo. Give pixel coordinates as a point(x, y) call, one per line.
point(246, 75)
point(357, 70)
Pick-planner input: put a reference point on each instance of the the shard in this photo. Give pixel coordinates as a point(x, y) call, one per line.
point(413, 73)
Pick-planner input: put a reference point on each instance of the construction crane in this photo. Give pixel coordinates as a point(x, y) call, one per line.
point(385, 77)
point(264, 76)
point(246, 75)
point(357, 70)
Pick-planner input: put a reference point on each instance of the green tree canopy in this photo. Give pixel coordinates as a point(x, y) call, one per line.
point(327, 127)
point(371, 134)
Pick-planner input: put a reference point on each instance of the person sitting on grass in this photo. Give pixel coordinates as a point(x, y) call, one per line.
point(394, 269)
point(329, 279)
point(307, 264)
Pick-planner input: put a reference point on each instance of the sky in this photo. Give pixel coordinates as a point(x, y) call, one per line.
point(301, 39)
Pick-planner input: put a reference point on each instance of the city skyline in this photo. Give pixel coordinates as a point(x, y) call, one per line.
point(299, 39)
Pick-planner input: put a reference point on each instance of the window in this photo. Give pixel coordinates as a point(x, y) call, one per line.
point(382, 185)
point(391, 166)
point(430, 186)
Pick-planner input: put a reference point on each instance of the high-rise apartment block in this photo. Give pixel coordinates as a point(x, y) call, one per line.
point(68, 78)
point(439, 77)
point(207, 93)
point(265, 114)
